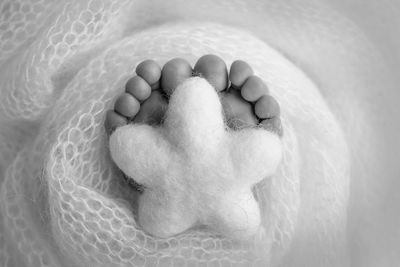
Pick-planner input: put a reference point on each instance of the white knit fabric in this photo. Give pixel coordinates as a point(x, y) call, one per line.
point(63, 201)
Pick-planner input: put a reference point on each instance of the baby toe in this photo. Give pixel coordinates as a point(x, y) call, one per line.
point(239, 72)
point(174, 72)
point(273, 124)
point(267, 107)
point(254, 88)
point(150, 71)
point(113, 121)
point(214, 70)
point(127, 105)
point(138, 87)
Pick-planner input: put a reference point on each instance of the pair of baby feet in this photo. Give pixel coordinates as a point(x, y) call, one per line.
point(244, 96)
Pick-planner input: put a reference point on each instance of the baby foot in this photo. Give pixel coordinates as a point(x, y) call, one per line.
point(145, 97)
point(247, 102)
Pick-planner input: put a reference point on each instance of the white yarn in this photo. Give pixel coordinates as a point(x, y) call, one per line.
point(196, 171)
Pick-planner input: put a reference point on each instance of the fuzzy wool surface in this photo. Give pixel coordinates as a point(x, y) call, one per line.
point(195, 170)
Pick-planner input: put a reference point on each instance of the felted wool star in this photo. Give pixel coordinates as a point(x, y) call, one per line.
point(195, 170)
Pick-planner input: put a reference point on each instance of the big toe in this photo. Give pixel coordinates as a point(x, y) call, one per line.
point(214, 70)
point(174, 72)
